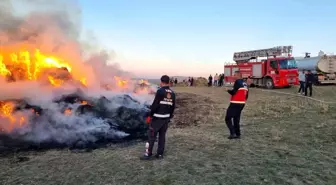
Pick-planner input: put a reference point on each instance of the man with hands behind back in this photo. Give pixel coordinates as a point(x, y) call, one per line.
point(161, 112)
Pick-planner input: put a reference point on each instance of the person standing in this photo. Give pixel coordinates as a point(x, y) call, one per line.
point(302, 80)
point(161, 111)
point(310, 78)
point(221, 80)
point(210, 81)
point(216, 80)
point(239, 95)
point(192, 81)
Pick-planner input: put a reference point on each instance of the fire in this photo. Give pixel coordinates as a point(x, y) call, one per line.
point(120, 81)
point(3, 70)
point(84, 102)
point(54, 81)
point(26, 65)
point(143, 82)
point(6, 112)
point(68, 112)
point(83, 81)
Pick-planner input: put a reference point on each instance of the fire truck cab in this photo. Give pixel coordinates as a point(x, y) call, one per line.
point(269, 68)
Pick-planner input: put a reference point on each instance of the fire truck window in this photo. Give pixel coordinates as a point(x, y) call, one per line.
point(274, 64)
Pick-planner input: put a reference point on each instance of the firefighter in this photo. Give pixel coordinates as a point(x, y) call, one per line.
point(310, 79)
point(162, 110)
point(239, 95)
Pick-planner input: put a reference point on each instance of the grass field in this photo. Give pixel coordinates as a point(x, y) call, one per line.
point(285, 140)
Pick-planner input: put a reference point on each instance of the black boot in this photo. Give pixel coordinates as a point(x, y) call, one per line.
point(158, 156)
point(146, 157)
point(234, 137)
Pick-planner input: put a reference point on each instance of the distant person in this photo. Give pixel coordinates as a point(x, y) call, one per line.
point(216, 80)
point(302, 80)
point(221, 79)
point(161, 111)
point(192, 81)
point(210, 81)
point(189, 81)
point(239, 95)
point(171, 82)
point(175, 81)
point(310, 78)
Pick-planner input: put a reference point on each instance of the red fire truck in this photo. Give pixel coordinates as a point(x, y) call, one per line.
point(269, 68)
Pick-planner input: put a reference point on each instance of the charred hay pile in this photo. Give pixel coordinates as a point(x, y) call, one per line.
point(81, 122)
point(76, 121)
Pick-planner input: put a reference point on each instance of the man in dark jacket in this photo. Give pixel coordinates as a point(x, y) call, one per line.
point(310, 79)
point(239, 95)
point(221, 80)
point(210, 81)
point(161, 112)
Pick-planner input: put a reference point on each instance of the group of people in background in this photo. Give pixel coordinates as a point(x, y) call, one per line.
point(174, 81)
point(191, 81)
point(217, 80)
point(306, 79)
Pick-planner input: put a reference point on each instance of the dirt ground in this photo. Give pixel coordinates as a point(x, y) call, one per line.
point(286, 139)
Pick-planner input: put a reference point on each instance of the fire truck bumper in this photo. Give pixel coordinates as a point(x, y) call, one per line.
point(286, 82)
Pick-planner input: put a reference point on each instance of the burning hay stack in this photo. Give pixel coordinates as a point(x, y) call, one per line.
point(51, 95)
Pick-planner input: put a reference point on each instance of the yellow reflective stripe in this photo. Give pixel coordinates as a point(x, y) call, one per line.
point(241, 102)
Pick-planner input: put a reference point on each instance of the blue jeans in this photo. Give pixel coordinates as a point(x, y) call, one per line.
point(302, 87)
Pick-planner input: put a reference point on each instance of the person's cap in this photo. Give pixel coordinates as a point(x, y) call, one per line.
point(165, 79)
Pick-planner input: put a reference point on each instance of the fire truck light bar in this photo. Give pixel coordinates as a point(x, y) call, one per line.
point(276, 51)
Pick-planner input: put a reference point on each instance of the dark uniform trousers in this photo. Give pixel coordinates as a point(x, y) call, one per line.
point(233, 113)
point(309, 86)
point(157, 126)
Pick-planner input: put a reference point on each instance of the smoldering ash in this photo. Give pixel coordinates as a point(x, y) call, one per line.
point(55, 93)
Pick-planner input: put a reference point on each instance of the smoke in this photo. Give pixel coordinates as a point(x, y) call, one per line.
point(54, 28)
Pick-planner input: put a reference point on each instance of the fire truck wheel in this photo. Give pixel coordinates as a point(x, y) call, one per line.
point(269, 83)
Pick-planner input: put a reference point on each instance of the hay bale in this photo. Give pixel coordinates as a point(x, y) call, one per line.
point(201, 81)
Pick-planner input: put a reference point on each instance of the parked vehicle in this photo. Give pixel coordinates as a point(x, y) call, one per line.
point(269, 68)
point(323, 67)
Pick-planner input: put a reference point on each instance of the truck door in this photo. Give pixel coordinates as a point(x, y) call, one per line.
point(273, 67)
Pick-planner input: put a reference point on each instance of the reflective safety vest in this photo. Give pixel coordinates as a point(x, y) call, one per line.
point(240, 96)
point(166, 103)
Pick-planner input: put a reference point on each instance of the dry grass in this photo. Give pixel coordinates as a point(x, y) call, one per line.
point(286, 140)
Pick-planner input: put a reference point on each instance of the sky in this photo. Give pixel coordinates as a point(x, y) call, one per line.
point(196, 37)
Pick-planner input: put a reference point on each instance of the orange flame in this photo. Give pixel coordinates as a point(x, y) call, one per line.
point(83, 81)
point(25, 65)
point(68, 112)
point(54, 81)
point(6, 112)
point(121, 82)
point(84, 102)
